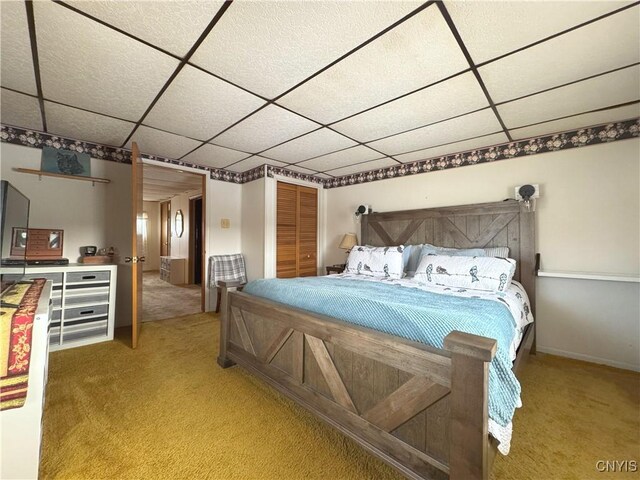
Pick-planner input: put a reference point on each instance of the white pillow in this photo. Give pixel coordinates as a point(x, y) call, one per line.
point(497, 252)
point(476, 273)
point(376, 261)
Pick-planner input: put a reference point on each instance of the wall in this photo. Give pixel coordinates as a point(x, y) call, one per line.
point(253, 227)
point(587, 219)
point(89, 215)
point(152, 260)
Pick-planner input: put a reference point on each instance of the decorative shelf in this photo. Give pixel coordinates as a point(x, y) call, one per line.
point(607, 277)
point(40, 173)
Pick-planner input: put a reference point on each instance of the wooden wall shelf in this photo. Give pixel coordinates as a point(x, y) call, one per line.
point(40, 173)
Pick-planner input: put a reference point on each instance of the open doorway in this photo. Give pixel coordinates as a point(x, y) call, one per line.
point(173, 237)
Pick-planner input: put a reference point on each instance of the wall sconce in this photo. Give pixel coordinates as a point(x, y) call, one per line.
point(527, 195)
point(349, 240)
point(363, 210)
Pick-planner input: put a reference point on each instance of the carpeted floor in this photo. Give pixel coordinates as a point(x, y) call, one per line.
point(167, 410)
point(162, 300)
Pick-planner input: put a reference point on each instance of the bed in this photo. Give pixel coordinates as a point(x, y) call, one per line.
point(422, 409)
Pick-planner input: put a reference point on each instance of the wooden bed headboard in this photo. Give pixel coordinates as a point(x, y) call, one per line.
point(497, 224)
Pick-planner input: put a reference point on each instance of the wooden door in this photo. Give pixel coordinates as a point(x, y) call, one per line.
point(165, 229)
point(296, 231)
point(136, 258)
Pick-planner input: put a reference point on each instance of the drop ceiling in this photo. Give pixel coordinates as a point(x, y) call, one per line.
point(323, 88)
point(165, 183)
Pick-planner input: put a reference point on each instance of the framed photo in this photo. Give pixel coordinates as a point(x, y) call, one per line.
point(65, 162)
point(18, 242)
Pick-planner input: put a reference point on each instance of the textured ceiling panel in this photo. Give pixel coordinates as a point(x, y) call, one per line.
point(363, 167)
point(268, 47)
point(457, 96)
point(341, 159)
point(604, 91)
point(20, 110)
point(268, 127)
point(253, 162)
point(455, 147)
point(17, 63)
point(163, 183)
point(420, 51)
point(90, 127)
point(215, 156)
point(155, 142)
point(579, 121)
point(490, 29)
point(110, 73)
point(214, 107)
point(310, 145)
point(173, 26)
point(612, 43)
point(468, 126)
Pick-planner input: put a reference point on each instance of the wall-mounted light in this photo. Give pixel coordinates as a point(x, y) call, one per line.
point(527, 195)
point(363, 210)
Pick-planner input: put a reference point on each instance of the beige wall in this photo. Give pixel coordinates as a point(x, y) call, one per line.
point(587, 219)
point(253, 227)
point(152, 260)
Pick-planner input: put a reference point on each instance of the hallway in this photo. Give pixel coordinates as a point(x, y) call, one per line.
point(161, 300)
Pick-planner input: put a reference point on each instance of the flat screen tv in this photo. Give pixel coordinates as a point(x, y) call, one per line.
point(14, 222)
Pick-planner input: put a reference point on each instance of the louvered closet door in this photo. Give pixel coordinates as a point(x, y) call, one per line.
point(297, 231)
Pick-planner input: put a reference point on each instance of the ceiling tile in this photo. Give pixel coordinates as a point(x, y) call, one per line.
point(200, 106)
point(601, 46)
point(418, 52)
point(363, 167)
point(268, 61)
point(491, 29)
point(96, 68)
point(215, 156)
point(17, 63)
point(341, 158)
point(172, 26)
point(468, 126)
point(264, 129)
point(604, 91)
point(20, 110)
point(298, 169)
point(163, 144)
point(253, 162)
point(86, 126)
point(310, 145)
point(579, 121)
point(459, 95)
point(455, 147)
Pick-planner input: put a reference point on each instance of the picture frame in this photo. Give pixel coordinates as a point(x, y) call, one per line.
point(65, 162)
point(18, 241)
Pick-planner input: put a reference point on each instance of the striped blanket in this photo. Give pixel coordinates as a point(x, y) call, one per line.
point(17, 314)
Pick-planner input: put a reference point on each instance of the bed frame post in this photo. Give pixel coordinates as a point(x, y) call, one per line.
point(225, 316)
point(469, 448)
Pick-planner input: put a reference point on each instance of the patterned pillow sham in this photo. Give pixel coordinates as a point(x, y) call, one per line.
point(476, 273)
point(502, 252)
point(376, 261)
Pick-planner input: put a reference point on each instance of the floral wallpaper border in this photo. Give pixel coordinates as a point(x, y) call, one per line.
point(605, 133)
point(595, 135)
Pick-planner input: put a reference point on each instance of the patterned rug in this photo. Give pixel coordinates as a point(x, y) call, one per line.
point(17, 313)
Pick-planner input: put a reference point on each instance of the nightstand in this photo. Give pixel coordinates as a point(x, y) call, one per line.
point(335, 269)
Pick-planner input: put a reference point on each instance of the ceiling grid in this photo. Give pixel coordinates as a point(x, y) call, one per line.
point(322, 88)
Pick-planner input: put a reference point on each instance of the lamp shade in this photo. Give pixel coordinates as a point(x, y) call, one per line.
point(348, 241)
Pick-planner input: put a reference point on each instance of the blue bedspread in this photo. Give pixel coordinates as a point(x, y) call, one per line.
point(418, 315)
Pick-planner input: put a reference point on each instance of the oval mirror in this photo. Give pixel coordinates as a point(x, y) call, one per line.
point(179, 223)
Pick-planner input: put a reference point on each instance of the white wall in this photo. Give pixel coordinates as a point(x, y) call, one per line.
point(89, 215)
point(253, 227)
point(152, 260)
point(587, 219)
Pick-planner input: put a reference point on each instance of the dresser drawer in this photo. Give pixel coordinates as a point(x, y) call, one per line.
point(79, 315)
point(87, 277)
point(55, 277)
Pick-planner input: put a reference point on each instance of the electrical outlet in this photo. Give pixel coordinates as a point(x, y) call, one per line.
point(225, 223)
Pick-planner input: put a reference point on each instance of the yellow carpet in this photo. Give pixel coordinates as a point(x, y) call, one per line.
point(167, 410)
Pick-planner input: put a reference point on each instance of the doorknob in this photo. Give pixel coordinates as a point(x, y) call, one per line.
point(127, 259)
point(141, 259)
point(133, 259)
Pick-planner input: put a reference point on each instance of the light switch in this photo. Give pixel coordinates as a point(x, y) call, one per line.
point(225, 223)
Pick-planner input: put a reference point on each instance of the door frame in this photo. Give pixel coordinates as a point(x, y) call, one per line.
point(192, 243)
point(206, 247)
point(271, 227)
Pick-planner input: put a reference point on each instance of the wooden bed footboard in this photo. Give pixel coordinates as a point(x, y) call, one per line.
point(422, 410)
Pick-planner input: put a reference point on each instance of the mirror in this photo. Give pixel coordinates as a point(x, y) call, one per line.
point(179, 223)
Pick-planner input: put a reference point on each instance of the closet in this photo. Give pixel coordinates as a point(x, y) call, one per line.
point(297, 231)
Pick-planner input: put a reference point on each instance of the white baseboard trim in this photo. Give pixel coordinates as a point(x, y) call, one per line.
point(588, 358)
